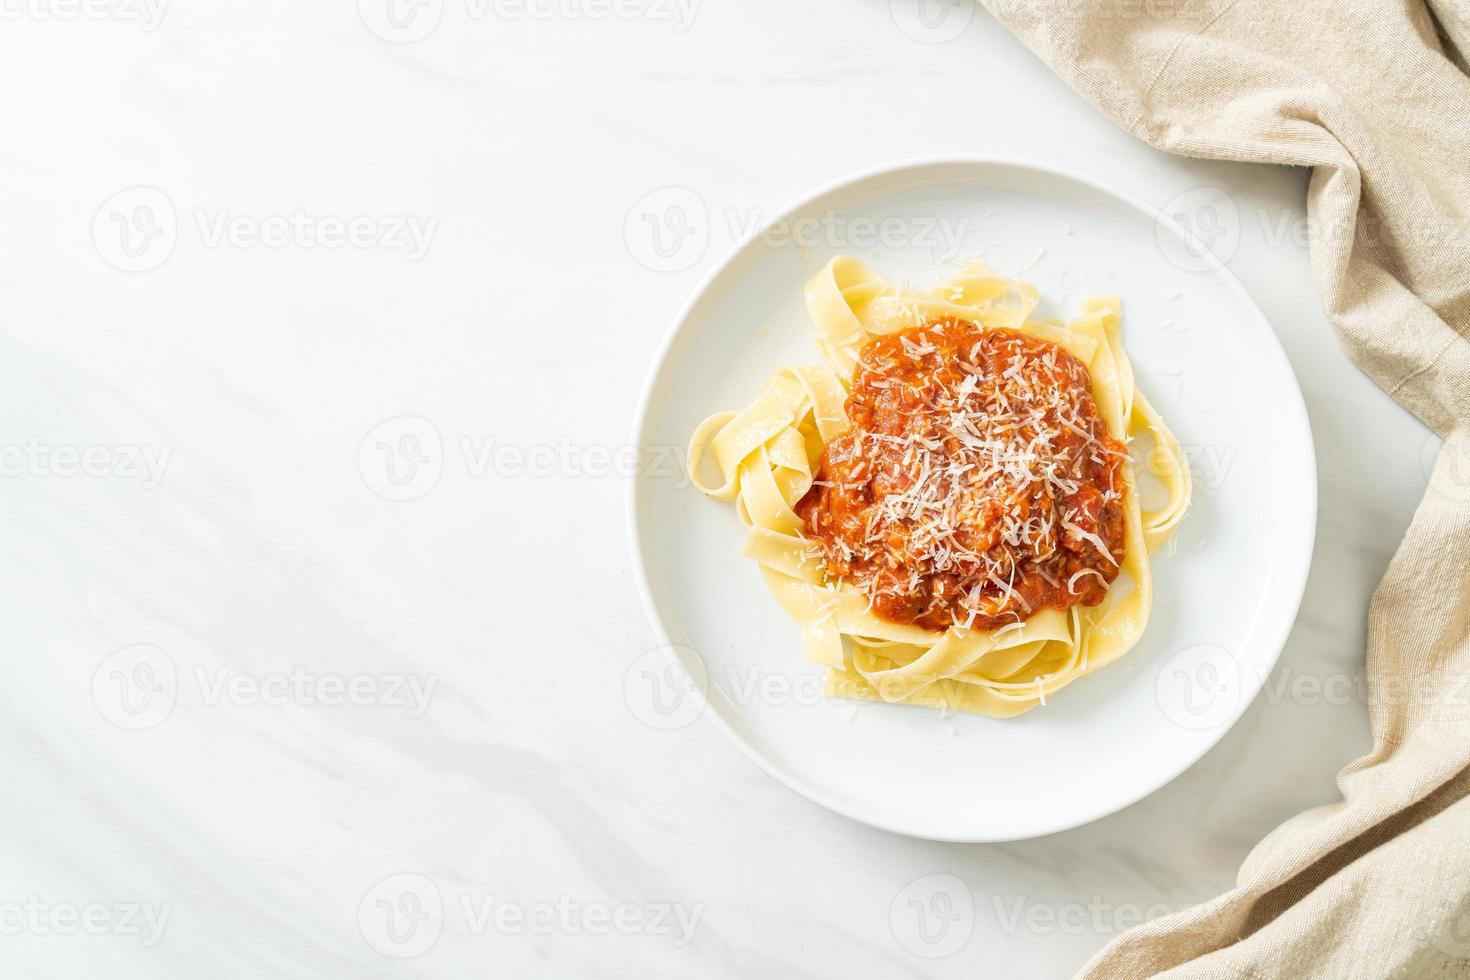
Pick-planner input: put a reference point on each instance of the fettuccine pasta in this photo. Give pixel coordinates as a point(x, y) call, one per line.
point(1003, 652)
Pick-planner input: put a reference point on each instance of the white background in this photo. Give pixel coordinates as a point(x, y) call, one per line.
point(177, 611)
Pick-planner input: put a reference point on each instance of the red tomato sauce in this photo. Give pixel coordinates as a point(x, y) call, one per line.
point(977, 485)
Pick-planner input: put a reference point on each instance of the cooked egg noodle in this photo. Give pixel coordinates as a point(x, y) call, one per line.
point(768, 453)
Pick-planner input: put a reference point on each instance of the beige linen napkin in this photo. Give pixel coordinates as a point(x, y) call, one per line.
point(1373, 96)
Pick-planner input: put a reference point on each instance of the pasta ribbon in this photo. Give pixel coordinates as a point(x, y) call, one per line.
point(768, 453)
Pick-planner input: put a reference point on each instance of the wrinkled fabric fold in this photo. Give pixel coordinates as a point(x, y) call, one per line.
point(1374, 98)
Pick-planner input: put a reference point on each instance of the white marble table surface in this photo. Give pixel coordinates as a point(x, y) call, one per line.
point(261, 720)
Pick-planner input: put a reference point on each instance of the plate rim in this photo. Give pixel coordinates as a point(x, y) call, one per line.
point(1296, 584)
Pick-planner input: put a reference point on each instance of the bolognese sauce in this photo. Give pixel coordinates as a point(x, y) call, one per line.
point(977, 485)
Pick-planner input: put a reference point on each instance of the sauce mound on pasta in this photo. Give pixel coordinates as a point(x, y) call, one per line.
point(977, 485)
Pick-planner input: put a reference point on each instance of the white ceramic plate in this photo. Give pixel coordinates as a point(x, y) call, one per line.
point(1225, 599)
